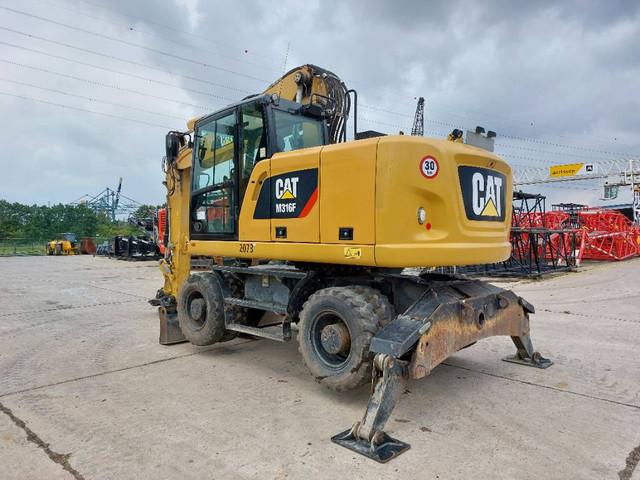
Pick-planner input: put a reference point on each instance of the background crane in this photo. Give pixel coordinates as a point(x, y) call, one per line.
point(418, 121)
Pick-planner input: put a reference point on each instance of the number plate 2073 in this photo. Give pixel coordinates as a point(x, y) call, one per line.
point(247, 247)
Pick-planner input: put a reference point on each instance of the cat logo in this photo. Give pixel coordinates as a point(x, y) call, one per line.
point(286, 188)
point(288, 195)
point(483, 193)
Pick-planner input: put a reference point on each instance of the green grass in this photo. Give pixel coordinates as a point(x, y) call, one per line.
point(10, 248)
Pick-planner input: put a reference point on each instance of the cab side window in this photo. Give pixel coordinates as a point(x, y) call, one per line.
point(214, 183)
point(253, 144)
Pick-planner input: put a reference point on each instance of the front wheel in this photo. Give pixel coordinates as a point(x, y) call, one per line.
point(335, 331)
point(201, 309)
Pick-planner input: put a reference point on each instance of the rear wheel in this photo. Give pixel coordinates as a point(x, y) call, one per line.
point(335, 331)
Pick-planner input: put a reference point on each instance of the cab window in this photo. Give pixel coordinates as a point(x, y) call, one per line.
point(294, 131)
point(214, 177)
point(253, 144)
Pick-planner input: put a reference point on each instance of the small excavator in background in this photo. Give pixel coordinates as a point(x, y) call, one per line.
point(67, 244)
point(272, 212)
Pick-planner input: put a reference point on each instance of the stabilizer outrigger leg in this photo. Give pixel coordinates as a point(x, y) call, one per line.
point(367, 437)
point(525, 355)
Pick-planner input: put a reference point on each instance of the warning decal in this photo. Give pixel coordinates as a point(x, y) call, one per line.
point(429, 167)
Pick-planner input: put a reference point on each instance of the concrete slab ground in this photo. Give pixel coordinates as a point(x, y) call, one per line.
point(87, 392)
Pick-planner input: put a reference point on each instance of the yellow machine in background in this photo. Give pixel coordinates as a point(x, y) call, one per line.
point(67, 245)
point(273, 212)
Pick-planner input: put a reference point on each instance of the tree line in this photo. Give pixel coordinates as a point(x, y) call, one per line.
point(42, 222)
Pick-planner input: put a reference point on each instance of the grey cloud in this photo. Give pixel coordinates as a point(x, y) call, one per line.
point(560, 72)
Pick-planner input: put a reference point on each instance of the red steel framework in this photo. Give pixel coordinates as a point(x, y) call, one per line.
point(608, 235)
point(601, 234)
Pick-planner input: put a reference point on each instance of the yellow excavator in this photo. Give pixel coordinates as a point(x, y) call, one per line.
point(66, 245)
point(277, 222)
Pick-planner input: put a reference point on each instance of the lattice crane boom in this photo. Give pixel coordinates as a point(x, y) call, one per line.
point(418, 120)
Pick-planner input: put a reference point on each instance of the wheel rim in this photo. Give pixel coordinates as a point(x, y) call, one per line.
point(331, 339)
point(197, 310)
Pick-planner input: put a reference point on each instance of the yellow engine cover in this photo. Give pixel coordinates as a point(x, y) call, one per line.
point(393, 201)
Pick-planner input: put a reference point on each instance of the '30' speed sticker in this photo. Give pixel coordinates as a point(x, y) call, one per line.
point(429, 167)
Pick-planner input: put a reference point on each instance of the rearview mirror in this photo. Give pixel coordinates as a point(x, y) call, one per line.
point(172, 146)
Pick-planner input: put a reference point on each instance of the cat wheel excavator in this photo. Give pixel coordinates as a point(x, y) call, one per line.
point(277, 223)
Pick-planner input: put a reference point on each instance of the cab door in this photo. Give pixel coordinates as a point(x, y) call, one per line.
point(294, 185)
point(295, 179)
point(214, 187)
point(254, 223)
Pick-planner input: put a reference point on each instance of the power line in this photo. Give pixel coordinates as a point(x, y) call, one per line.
point(506, 120)
point(524, 157)
point(132, 44)
point(111, 57)
point(119, 72)
point(161, 25)
point(105, 85)
point(120, 105)
point(511, 146)
point(560, 145)
point(413, 98)
point(32, 99)
point(191, 46)
point(524, 139)
point(426, 120)
point(190, 60)
point(513, 137)
point(395, 125)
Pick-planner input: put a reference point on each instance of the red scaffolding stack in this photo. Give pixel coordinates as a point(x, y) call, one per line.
point(607, 235)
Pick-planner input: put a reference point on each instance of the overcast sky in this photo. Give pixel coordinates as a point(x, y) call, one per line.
point(558, 82)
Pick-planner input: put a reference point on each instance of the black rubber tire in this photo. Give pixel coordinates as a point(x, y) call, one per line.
point(364, 310)
point(208, 328)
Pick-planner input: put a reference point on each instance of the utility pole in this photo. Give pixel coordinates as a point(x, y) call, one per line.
point(635, 191)
point(418, 120)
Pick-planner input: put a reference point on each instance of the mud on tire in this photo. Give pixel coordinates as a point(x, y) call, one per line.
point(335, 330)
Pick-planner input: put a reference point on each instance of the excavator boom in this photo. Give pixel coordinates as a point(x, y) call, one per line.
point(310, 84)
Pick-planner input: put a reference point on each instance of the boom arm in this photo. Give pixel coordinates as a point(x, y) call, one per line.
point(310, 84)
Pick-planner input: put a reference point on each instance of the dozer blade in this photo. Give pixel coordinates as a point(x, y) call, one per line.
point(170, 332)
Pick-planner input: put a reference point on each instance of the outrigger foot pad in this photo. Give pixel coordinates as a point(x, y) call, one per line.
point(367, 437)
point(525, 354)
point(381, 448)
point(536, 361)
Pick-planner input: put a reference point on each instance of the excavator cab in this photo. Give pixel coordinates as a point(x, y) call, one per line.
point(227, 146)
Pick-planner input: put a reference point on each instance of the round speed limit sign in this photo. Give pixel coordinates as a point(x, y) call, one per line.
point(429, 167)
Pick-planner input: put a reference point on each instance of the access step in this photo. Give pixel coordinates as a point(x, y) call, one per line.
point(285, 271)
point(279, 333)
point(267, 306)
